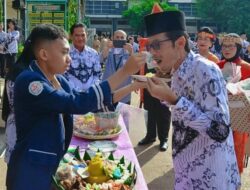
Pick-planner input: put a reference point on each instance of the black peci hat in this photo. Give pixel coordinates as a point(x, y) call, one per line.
point(166, 21)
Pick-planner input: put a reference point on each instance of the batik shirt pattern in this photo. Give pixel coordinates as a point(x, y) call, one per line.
point(10, 123)
point(3, 37)
point(85, 68)
point(203, 149)
point(12, 41)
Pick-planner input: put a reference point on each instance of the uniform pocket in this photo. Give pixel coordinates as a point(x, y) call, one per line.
point(42, 157)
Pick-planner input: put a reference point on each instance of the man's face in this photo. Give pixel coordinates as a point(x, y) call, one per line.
point(131, 40)
point(243, 36)
point(119, 36)
point(79, 38)
point(58, 58)
point(163, 51)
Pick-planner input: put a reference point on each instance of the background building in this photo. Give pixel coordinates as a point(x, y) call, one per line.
point(193, 22)
point(106, 15)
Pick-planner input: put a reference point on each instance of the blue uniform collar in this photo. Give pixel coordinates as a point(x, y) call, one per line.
point(35, 68)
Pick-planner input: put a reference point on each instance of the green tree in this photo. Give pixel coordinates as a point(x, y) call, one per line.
point(136, 13)
point(72, 14)
point(1, 11)
point(229, 15)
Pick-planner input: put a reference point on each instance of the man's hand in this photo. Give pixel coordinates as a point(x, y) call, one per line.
point(134, 63)
point(160, 90)
point(129, 48)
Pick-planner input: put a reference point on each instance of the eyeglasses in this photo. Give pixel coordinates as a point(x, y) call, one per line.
point(156, 45)
point(230, 47)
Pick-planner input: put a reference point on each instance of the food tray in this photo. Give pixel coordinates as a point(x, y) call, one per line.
point(94, 172)
point(95, 136)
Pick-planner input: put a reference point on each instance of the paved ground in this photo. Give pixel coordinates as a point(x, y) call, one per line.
point(156, 166)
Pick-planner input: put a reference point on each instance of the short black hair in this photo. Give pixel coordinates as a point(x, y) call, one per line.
point(77, 25)
point(41, 33)
point(12, 21)
point(174, 35)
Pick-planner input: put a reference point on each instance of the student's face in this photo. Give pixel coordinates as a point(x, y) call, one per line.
point(79, 38)
point(228, 49)
point(163, 51)
point(203, 42)
point(58, 58)
point(11, 26)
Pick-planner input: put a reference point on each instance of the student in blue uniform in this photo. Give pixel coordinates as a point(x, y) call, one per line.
point(43, 104)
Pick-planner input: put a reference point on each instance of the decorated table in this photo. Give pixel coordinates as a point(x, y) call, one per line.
point(124, 148)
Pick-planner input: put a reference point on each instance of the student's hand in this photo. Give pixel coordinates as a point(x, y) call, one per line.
point(160, 90)
point(136, 85)
point(129, 48)
point(134, 63)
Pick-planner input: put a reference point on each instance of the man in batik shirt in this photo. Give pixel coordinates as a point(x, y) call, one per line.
point(202, 144)
point(85, 68)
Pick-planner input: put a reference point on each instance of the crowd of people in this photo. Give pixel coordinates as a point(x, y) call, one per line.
point(52, 79)
point(8, 47)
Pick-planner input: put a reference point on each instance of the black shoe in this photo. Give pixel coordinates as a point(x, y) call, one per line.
point(163, 146)
point(146, 141)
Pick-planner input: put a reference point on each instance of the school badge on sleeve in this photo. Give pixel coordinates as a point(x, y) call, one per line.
point(35, 88)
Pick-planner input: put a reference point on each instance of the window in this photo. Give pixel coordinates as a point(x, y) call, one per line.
point(101, 22)
point(105, 7)
point(188, 8)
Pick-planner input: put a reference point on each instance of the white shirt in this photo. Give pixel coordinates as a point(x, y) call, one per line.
point(3, 38)
point(12, 41)
point(85, 68)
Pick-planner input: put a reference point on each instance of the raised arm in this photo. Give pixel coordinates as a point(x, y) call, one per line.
point(133, 64)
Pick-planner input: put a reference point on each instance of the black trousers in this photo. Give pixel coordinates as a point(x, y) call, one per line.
point(2, 65)
point(10, 60)
point(159, 118)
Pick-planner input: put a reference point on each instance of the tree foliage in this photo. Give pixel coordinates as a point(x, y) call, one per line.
point(136, 13)
point(1, 11)
point(72, 14)
point(229, 15)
